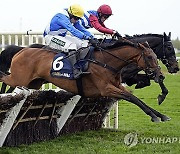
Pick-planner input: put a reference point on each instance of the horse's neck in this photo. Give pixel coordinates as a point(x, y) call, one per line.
point(153, 41)
point(119, 57)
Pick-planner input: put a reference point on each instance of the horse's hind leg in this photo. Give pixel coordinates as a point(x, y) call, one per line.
point(36, 83)
point(13, 81)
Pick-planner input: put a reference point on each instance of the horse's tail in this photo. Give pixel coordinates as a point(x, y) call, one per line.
point(6, 57)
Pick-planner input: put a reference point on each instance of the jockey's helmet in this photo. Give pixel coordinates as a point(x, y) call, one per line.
point(76, 10)
point(105, 10)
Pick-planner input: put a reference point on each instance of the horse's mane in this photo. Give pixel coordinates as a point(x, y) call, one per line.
point(143, 35)
point(117, 44)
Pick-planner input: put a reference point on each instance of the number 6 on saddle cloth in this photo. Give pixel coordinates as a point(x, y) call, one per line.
point(61, 65)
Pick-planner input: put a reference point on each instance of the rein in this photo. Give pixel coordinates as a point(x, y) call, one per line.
point(147, 69)
point(104, 64)
point(149, 72)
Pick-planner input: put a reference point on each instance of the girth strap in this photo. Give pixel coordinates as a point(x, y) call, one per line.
point(80, 86)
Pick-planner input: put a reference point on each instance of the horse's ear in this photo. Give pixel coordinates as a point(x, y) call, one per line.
point(165, 35)
point(169, 35)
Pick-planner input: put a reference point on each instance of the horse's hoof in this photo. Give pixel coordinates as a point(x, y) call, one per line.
point(156, 119)
point(165, 118)
point(160, 99)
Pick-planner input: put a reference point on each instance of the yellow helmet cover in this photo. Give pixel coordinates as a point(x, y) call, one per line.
point(76, 10)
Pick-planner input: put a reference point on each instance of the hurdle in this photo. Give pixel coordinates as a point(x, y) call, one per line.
point(28, 116)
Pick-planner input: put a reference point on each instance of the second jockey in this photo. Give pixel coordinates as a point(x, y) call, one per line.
point(96, 19)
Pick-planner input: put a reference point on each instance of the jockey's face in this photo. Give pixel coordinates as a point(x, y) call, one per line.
point(104, 17)
point(74, 19)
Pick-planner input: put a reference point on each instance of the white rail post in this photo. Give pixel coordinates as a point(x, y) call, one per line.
point(116, 115)
point(23, 40)
point(65, 111)
point(9, 39)
point(11, 115)
point(3, 41)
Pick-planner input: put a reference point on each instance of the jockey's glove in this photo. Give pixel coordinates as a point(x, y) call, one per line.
point(117, 34)
point(94, 42)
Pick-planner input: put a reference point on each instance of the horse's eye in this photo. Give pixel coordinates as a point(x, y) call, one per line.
point(169, 48)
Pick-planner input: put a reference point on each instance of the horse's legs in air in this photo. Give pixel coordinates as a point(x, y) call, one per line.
point(112, 91)
point(158, 114)
point(133, 99)
point(164, 93)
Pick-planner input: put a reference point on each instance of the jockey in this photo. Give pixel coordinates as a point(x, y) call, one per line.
point(68, 21)
point(96, 19)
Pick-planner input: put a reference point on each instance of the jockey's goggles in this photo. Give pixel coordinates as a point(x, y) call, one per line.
point(76, 18)
point(106, 16)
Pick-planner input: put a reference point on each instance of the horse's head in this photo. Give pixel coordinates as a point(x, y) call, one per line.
point(148, 62)
point(169, 57)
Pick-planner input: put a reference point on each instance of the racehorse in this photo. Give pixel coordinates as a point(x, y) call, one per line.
point(31, 65)
point(161, 45)
point(163, 48)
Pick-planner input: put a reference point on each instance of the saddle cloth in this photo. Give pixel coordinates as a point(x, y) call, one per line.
point(62, 68)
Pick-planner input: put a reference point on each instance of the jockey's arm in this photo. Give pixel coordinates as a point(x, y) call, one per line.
point(74, 31)
point(82, 29)
point(95, 23)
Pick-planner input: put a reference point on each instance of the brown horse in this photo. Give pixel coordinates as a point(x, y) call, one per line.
point(31, 67)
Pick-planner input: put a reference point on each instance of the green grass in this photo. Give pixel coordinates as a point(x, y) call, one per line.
point(131, 120)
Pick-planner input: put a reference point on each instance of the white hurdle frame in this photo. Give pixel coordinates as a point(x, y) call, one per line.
point(30, 37)
point(11, 115)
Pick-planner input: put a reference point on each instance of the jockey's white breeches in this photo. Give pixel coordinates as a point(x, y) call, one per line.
point(65, 43)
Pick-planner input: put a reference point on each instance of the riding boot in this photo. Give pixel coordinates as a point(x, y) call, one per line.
point(73, 59)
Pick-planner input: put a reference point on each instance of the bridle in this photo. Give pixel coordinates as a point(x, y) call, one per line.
point(147, 69)
point(164, 57)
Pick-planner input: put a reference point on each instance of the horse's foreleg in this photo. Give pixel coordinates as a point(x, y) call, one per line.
point(162, 97)
point(121, 93)
point(133, 99)
point(158, 114)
